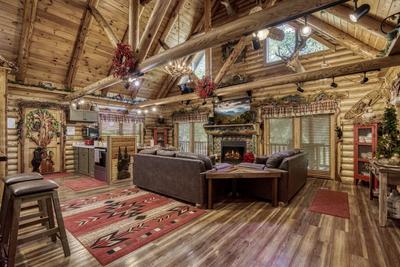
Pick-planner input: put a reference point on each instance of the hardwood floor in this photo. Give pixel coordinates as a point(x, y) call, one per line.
point(252, 233)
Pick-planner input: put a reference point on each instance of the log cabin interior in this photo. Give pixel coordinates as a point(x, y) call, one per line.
point(200, 132)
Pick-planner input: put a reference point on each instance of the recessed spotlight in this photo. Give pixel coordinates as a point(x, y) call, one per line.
point(139, 111)
point(81, 102)
point(136, 83)
point(154, 109)
point(359, 12)
point(73, 105)
point(146, 111)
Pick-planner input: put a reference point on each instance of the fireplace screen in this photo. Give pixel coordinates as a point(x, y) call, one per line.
point(233, 151)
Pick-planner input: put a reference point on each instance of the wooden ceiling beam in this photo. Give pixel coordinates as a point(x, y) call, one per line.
point(79, 43)
point(287, 10)
point(367, 22)
point(342, 38)
point(171, 22)
point(153, 25)
point(105, 26)
point(207, 27)
point(28, 20)
point(133, 24)
point(336, 71)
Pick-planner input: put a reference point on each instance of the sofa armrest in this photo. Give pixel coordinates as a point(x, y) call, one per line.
point(261, 159)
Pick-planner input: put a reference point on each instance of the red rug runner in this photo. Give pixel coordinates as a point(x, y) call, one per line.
point(332, 203)
point(112, 225)
point(57, 175)
point(83, 183)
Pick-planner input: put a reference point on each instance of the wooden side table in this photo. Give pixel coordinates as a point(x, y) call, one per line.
point(244, 173)
point(387, 175)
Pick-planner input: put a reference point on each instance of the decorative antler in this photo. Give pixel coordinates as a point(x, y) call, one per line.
point(229, 8)
point(292, 61)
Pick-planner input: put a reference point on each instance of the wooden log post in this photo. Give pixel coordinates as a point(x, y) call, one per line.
point(3, 123)
point(342, 38)
point(105, 26)
point(207, 28)
point(287, 10)
point(29, 18)
point(336, 71)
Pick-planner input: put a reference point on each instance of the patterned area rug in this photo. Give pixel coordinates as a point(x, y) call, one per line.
point(332, 203)
point(112, 225)
point(83, 183)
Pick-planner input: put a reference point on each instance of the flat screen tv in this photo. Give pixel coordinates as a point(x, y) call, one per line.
point(233, 112)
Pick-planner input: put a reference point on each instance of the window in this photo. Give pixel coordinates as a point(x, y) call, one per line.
point(315, 141)
point(200, 139)
point(285, 47)
point(192, 138)
point(115, 127)
point(280, 134)
point(184, 137)
point(199, 67)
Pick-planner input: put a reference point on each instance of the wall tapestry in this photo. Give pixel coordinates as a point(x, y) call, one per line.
point(41, 128)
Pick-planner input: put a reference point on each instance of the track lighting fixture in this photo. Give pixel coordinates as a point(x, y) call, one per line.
point(299, 88)
point(365, 79)
point(359, 12)
point(146, 111)
point(139, 112)
point(333, 84)
point(306, 29)
point(249, 93)
point(154, 109)
point(256, 42)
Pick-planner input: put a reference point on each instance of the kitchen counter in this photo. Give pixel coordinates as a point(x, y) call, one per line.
point(83, 146)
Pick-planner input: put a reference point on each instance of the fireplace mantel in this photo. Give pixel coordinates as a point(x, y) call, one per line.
point(233, 129)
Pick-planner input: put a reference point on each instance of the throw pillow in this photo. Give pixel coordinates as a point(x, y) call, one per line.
point(149, 151)
point(166, 153)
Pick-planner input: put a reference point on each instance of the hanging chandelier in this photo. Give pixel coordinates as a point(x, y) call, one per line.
point(178, 67)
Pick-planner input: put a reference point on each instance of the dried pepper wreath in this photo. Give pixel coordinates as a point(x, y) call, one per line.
point(124, 61)
point(205, 87)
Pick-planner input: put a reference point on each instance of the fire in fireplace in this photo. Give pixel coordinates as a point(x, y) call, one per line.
point(232, 151)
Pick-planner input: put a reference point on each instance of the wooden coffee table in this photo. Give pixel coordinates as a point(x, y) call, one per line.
point(237, 172)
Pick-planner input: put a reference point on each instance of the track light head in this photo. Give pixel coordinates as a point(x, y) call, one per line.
point(333, 84)
point(306, 30)
point(299, 89)
point(365, 79)
point(359, 12)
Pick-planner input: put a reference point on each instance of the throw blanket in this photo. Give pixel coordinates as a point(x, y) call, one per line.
point(252, 165)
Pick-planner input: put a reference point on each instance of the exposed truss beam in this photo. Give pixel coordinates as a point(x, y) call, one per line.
point(105, 26)
point(287, 10)
point(336, 71)
point(153, 25)
point(342, 38)
point(29, 18)
point(79, 43)
point(367, 22)
point(133, 24)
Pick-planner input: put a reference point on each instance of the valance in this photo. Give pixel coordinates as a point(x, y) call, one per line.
point(190, 117)
point(121, 118)
point(314, 108)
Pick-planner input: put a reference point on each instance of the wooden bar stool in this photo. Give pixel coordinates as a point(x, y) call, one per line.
point(39, 190)
point(13, 179)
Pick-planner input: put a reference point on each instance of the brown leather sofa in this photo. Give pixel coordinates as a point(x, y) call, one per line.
point(296, 166)
point(180, 178)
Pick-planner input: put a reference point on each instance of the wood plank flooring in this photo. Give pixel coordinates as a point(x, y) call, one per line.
point(251, 233)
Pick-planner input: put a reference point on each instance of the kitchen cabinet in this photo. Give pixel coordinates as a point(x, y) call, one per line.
point(83, 115)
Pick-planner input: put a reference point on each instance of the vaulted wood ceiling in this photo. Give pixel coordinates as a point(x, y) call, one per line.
point(57, 24)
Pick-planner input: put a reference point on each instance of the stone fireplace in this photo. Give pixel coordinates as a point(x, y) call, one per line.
point(232, 151)
point(230, 142)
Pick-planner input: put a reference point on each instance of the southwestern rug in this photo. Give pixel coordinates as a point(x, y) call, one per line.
point(114, 224)
point(84, 183)
point(332, 203)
